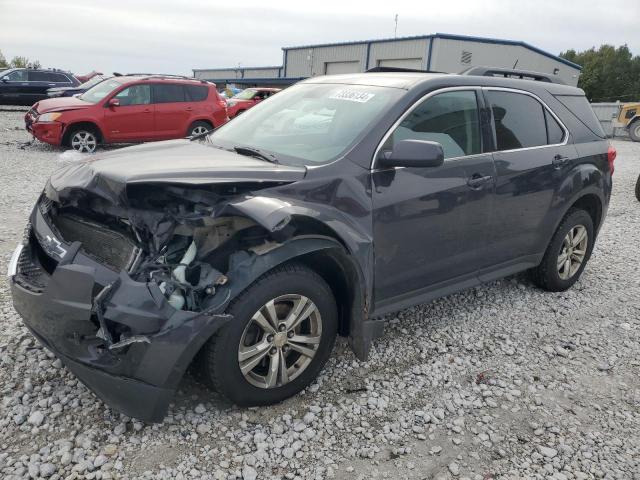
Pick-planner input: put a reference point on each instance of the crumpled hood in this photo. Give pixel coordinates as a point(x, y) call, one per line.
point(61, 104)
point(174, 161)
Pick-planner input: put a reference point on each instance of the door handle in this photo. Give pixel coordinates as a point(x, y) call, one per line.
point(560, 161)
point(476, 180)
point(189, 109)
point(146, 110)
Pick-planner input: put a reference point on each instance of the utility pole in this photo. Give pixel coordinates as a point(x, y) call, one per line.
point(395, 31)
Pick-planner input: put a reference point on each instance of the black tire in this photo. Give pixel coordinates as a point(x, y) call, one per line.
point(638, 188)
point(546, 275)
point(199, 127)
point(238, 113)
point(219, 367)
point(634, 131)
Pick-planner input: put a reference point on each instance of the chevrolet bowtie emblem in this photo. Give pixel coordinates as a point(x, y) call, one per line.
point(55, 246)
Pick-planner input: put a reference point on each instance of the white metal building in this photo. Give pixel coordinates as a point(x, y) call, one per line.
point(439, 52)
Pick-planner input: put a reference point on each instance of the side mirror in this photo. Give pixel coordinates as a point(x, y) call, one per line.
point(414, 153)
point(113, 102)
point(4, 79)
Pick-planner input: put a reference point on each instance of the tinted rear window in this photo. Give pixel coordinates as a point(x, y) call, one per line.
point(579, 106)
point(196, 93)
point(58, 77)
point(39, 77)
point(519, 120)
point(168, 93)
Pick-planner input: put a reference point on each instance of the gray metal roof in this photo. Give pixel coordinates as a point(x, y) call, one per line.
point(446, 36)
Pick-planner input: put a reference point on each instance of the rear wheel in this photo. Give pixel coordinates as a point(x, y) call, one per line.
point(198, 128)
point(282, 333)
point(83, 140)
point(567, 254)
point(634, 131)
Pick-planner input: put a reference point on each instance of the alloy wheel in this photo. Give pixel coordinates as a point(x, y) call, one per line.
point(280, 341)
point(84, 141)
point(572, 252)
point(198, 130)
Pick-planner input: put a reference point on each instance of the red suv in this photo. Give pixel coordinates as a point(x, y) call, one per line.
point(248, 98)
point(130, 108)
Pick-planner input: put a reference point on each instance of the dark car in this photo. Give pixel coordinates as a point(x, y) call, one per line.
point(71, 91)
point(245, 252)
point(26, 86)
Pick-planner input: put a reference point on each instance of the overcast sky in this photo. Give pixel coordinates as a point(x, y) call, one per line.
point(175, 36)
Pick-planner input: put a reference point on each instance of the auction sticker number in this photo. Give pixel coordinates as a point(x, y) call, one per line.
point(352, 96)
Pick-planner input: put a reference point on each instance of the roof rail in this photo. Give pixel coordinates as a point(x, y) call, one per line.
point(398, 69)
point(509, 73)
point(162, 75)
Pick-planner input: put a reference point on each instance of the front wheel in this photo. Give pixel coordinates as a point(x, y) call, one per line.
point(83, 140)
point(198, 128)
point(281, 335)
point(567, 253)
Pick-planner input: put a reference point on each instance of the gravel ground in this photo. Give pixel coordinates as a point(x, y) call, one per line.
point(502, 381)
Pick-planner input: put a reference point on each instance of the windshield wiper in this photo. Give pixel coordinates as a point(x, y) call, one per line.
point(254, 152)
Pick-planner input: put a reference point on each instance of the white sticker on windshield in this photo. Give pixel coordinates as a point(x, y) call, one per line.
point(352, 96)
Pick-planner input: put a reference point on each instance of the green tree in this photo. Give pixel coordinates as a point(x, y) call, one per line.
point(608, 74)
point(24, 62)
point(3, 61)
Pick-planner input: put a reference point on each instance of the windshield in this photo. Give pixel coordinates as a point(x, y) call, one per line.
point(94, 81)
point(245, 94)
point(308, 124)
point(99, 91)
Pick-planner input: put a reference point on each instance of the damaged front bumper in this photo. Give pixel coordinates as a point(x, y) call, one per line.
point(119, 336)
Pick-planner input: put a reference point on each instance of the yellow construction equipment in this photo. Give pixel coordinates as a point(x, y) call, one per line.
point(629, 119)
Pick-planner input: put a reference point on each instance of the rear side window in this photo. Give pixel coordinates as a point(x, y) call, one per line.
point(58, 78)
point(555, 133)
point(579, 106)
point(519, 120)
point(449, 118)
point(196, 93)
point(167, 93)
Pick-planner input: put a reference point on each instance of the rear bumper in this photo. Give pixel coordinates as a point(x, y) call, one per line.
point(56, 297)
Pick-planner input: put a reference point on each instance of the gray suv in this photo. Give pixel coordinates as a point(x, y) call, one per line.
point(243, 252)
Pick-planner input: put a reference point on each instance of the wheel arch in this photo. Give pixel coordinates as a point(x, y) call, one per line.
point(80, 124)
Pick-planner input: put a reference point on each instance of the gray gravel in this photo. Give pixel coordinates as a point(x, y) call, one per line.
point(502, 381)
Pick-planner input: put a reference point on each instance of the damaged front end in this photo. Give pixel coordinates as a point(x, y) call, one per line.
point(126, 289)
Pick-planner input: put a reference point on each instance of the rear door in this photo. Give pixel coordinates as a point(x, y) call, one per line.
point(39, 83)
point(132, 120)
point(430, 224)
point(532, 157)
point(172, 111)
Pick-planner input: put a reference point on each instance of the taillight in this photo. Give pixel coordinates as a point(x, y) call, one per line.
point(611, 157)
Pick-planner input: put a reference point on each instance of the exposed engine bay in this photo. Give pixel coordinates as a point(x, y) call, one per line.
point(184, 239)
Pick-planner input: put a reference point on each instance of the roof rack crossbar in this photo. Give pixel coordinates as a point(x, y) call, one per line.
point(510, 73)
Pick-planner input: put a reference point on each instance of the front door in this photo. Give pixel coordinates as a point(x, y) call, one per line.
point(132, 120)
point(430, 224)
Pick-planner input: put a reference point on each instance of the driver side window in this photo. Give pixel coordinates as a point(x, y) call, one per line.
point(449, 118)
point(17, 76)
point(135, 95)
